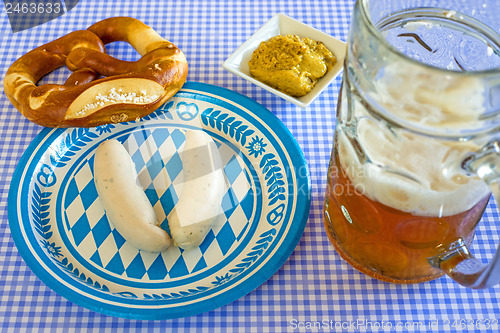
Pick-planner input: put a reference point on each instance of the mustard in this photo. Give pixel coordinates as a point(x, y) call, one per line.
point(291, 64)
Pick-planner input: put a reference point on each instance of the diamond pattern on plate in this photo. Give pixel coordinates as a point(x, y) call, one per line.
point(155, 152)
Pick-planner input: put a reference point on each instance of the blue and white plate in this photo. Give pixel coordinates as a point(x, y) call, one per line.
point(63, 234)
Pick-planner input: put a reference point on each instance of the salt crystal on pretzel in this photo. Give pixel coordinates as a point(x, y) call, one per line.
point(128, 91)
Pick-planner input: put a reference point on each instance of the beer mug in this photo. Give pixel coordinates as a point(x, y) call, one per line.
point(416, 150)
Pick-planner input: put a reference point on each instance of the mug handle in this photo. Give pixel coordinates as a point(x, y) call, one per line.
point(459, 263)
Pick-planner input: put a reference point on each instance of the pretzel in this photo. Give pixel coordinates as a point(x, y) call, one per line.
point(101, 89)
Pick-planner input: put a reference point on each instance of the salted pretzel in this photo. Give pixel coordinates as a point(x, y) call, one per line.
point(101, 89)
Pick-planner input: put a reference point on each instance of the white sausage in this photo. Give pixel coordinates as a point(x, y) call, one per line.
point(204, 186)
point(124, 201)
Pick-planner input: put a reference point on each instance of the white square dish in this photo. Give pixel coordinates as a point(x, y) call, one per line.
point(281, 24)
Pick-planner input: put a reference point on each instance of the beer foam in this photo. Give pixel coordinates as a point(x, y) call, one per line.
point(407, 173)
point(404, 170)
point(428, 97)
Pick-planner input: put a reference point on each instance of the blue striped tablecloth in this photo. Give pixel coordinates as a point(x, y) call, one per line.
point(314, 290)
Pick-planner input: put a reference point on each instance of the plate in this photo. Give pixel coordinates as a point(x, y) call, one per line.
point(281, 24)
point(62, 232)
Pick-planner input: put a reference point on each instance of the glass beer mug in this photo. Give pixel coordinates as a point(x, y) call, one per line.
point(416, 151)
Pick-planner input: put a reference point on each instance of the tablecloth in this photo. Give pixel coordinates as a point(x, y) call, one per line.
point(315, 290)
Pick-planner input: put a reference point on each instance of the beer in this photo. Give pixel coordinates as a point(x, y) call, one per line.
point(396, 197)
point(384, 242)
